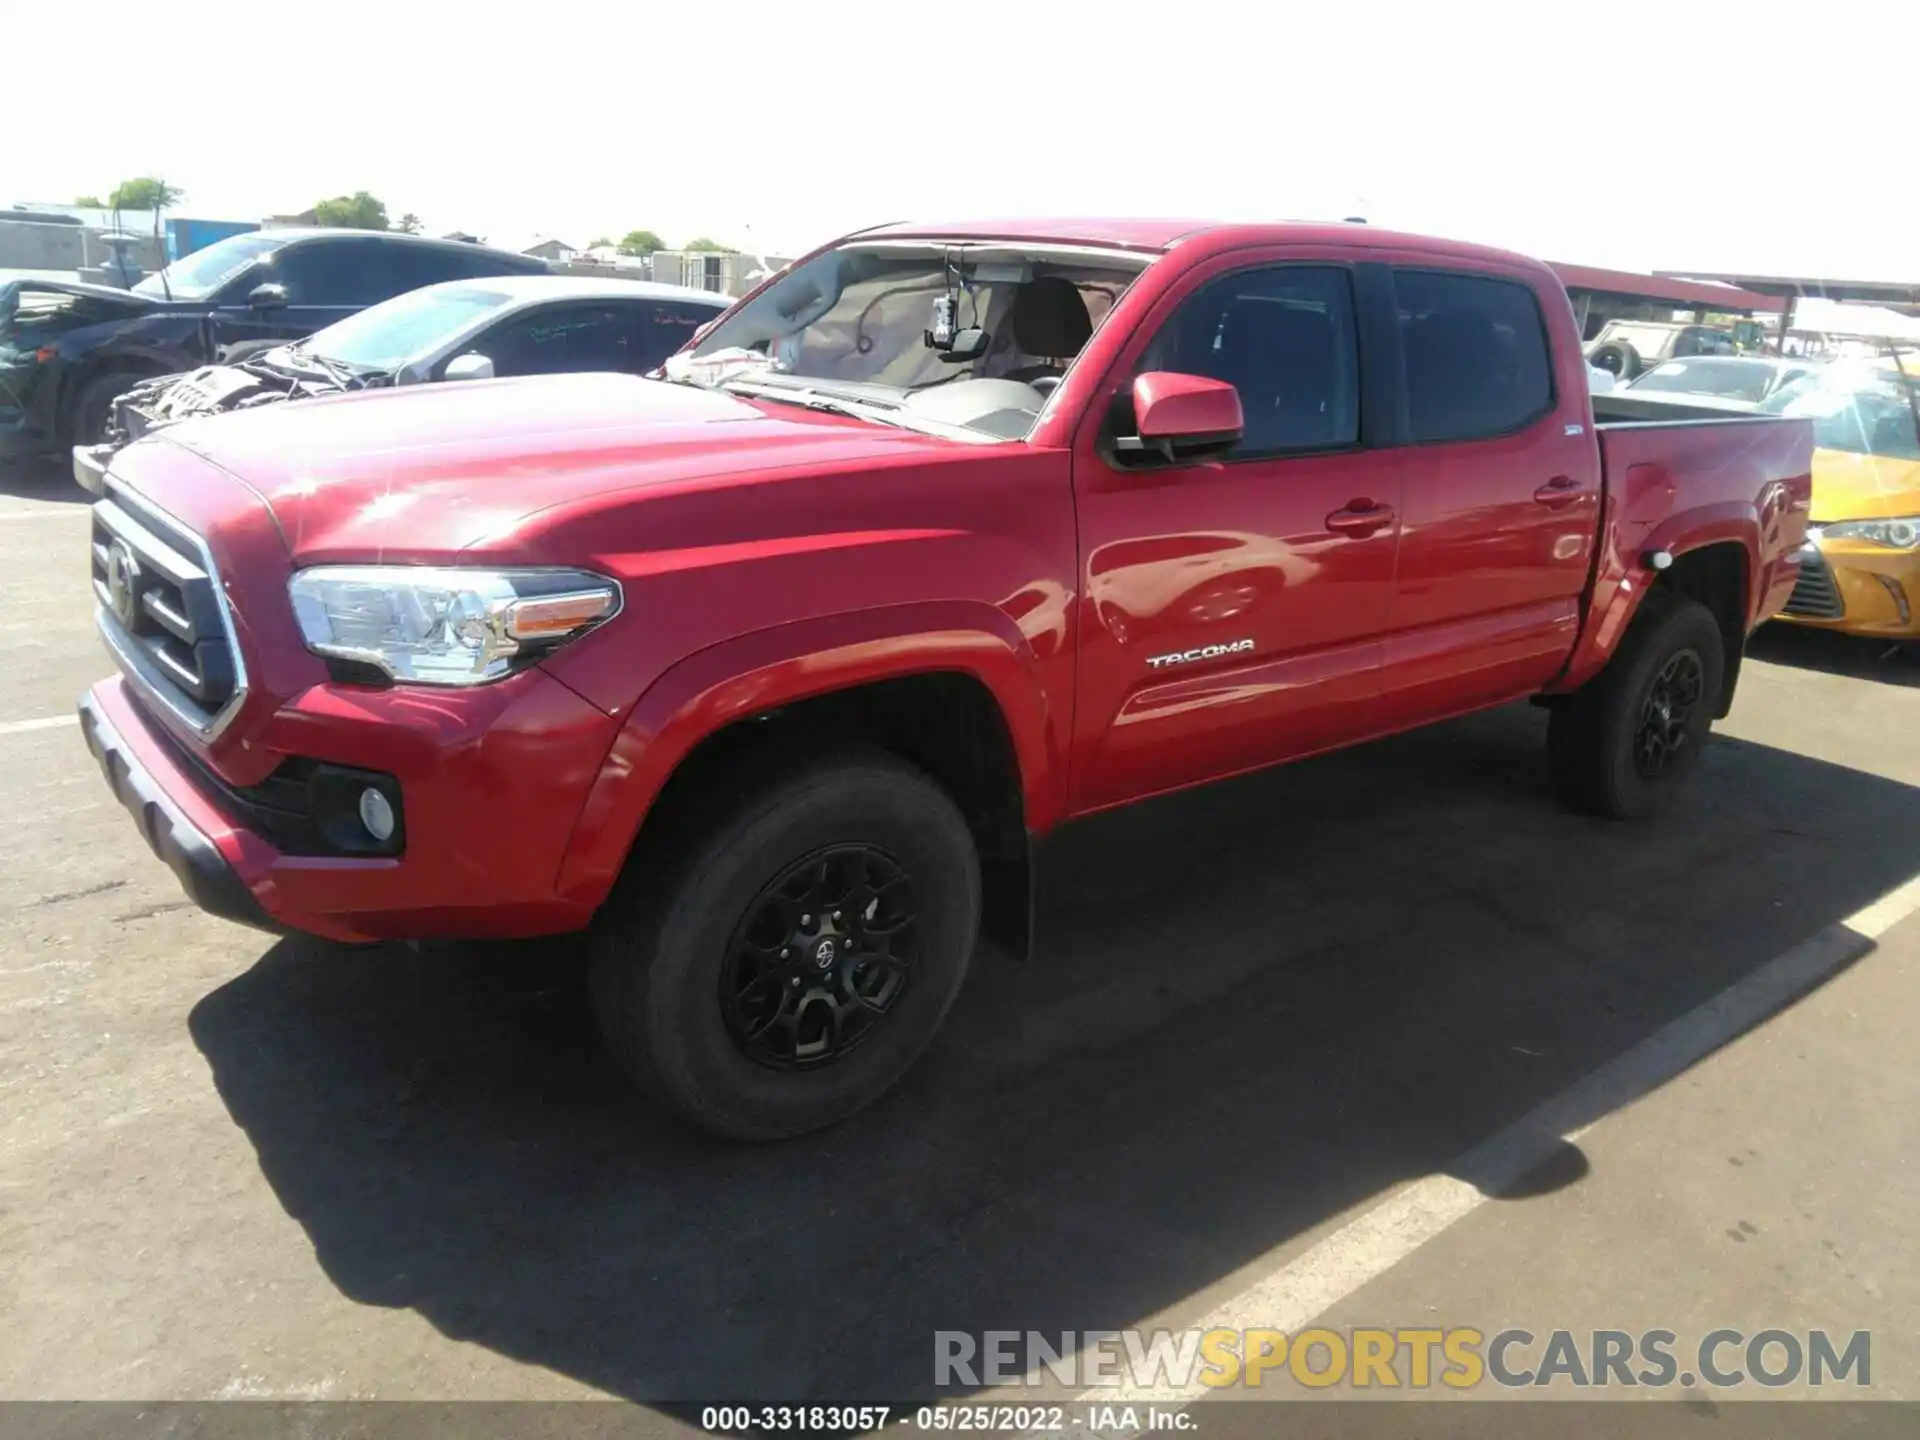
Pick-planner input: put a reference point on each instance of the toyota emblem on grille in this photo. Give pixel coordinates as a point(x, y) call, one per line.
point(123, 583)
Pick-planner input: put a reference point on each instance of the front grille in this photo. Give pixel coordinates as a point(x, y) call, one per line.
point(160, 607)
point(1814, 594)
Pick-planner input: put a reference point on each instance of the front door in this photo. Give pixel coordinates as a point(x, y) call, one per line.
point(1233, 611)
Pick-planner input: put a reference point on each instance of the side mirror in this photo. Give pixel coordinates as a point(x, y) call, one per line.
point(470, 366)
point(1183, 417)
point(267, 297)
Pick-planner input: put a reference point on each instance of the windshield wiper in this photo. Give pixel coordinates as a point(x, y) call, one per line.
point(813, 400)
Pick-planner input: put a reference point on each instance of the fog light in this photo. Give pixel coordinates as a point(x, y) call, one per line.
point(376, 813)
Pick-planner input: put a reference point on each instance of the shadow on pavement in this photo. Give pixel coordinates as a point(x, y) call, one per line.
point(41, 480)
point(1856, 656)
point(1254, 1007)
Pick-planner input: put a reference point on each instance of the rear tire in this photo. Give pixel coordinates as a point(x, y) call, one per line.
point(1624, 743)
point(710, 991)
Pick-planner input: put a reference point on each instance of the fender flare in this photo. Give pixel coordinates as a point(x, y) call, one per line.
point(783, 664)
point(1621, 578)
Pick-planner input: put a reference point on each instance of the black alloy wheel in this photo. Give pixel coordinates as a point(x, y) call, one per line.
point(1666, 716)
point(821, 957)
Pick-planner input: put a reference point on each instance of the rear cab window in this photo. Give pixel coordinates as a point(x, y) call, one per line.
point(1476, 355)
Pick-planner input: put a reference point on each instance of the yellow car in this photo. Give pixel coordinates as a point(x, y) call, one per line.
point(1860, 570)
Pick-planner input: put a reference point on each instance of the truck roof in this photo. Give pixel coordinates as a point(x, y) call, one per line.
point(1160, 235)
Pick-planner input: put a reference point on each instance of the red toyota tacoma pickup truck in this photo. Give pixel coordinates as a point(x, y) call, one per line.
point(773, 672)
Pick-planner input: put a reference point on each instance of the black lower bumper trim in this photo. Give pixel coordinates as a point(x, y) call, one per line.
point(210, 882)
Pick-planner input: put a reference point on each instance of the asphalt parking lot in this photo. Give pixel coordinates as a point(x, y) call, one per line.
point(233, 1166)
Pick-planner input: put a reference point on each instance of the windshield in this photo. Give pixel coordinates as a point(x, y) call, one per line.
point(196, 276)
point(387, 335)
point(1728, 379)
point(969, 335)
point(1858, 407)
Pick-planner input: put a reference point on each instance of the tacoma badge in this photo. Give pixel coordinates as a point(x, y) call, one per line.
point(1204, 652)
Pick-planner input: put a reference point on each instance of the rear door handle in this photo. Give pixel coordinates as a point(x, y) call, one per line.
point(1360, 518)
point(1558, 493)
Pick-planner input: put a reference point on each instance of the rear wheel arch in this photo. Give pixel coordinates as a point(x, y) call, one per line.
point(1720, 576)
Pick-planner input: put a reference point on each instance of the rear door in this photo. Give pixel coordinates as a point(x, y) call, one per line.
point(1502, 490)
point(1233, 610)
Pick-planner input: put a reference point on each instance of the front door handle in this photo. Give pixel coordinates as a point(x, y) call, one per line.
point(1360, 518)
point(1558, 493)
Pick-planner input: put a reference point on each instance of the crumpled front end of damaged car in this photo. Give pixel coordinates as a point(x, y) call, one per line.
point(210, 390)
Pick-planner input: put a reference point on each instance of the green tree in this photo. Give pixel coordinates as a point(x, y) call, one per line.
point(410, 223)
point(641, 242)
point(144, 193)
point(90, 202)
point(703, 243)
point(358, 211)
point(599, 244)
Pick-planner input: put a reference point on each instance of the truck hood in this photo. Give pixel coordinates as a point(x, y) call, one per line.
point(1848, 486)
point(12, 285)
point(420, 474)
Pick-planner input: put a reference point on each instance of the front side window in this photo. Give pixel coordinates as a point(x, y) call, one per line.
point(1476, 357)
point(1284, 338)
point(559, 340)
point(335, 273)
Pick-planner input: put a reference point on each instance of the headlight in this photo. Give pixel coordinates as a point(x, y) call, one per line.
point(446, 626)
point(1895, 534)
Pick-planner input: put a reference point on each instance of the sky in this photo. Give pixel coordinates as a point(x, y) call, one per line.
point(1700, 135)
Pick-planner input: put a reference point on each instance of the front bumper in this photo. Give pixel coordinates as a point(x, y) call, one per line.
point(490, 799)
point(90, 467)
point(1858, 589)
point(170, 832)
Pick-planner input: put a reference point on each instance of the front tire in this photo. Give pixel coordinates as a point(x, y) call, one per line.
point(799, 953)
point(1623, 745)
point(93, 406)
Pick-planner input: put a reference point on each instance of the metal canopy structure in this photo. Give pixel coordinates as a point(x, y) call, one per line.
point(1901, 296)
point(1894, 294)
point(1683, 293)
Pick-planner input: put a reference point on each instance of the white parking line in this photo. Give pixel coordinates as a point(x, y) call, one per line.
point(45, 722)
point(45, 514)
point(1306, 1287)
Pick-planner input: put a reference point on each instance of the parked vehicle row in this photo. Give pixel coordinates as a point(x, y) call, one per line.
point(68, 350)
point(1626, 348)
point(776, 672)
point(460, 330)
point(1860, 569)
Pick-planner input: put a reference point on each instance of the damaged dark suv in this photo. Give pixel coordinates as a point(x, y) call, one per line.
point(68, 349)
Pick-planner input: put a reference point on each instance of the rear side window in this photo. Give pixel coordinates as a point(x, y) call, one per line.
point(1284, 338)
point(350, 272)
point(409, 267)
point(1475, 348)
point(664, 326)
